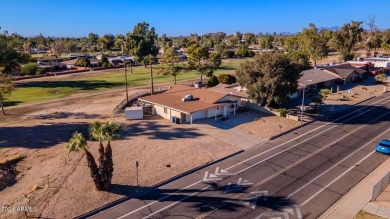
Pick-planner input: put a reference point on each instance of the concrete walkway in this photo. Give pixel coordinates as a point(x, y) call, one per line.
point(359, 197)
point(224, 130)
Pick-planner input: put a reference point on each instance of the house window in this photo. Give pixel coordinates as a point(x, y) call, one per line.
point(217, 107)
point(232, 106)
point(165, 110)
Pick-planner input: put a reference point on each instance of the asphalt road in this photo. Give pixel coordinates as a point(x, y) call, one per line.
point(298, 175)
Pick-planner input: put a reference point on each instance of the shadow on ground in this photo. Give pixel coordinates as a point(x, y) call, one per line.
point(39, 136)
point(233, 120)
point(65, 115)
point(82, 85)
point(157, 130)
point(200, 202)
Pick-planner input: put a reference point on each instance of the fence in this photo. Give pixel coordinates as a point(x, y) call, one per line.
point(132, 98)
point(380, 186)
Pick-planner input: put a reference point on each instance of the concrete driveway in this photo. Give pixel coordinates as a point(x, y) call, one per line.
point(228, 131)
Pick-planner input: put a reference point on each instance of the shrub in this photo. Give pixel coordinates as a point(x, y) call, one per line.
point(228, 54)
point(381, 78)
point(213, 81)
point(30, 69)
point(324, 92)
point(282, 112)
point(105, 63)
point(82, 62)
point(226, 79)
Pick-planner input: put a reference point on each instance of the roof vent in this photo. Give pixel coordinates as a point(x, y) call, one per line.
point(187, 97)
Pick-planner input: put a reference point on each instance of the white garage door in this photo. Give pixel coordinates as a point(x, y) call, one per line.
point(198, 115)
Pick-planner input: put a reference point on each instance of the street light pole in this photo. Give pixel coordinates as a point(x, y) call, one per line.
point(127, 92)
point(303, 98)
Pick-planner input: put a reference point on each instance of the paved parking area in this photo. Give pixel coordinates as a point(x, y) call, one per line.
point(245, 130)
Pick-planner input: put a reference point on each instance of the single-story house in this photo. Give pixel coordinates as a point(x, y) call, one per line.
point(347, 72)
point(234, 89)
point(319, 79)
point(189, 103)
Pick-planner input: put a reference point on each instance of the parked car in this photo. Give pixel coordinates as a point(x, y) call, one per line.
point(383, 146)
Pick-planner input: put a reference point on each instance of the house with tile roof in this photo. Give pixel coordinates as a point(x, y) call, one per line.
point(189, 103)
point(347, 72)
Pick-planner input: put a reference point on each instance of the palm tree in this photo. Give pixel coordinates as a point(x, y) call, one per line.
point(78, 143)
point(105, 131)
point(101, 131)
point(150, 59)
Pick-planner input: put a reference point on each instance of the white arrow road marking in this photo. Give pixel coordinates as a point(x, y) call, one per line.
point(237, 187)
point(222, 172)
point(210, 177)
point(244, 182)
point(252, 201)
point(295, 211)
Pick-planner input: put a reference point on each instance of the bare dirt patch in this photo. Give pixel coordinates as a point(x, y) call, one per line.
point(265, 125)
point(52, 187)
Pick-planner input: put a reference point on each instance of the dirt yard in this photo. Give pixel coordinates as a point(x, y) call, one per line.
point(51, 186)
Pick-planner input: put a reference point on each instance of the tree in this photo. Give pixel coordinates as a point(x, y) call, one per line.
point(6, 87)
point(150, 59)
point(212, 82)
point(106, 42)
point(299, 59)
point(92, 39)
point(30, 69)
point(120, 41)
point(291, 43)
point(314, 44)
point(227, 79)
point(317, 100)
point(346, 38)
point(199, 58)
point(170, 62)
point(9, 57)
point(101, 131)
point(142, 42)
point(266, 41)
point(268, 77)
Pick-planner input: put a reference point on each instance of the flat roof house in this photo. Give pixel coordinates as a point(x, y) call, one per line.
point(189, 103)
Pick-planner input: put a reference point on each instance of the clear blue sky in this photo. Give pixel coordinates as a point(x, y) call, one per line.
point(75, 18)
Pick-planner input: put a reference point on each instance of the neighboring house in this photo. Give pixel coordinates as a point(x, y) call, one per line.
point(234, 89)
point(319, 79)
point(189, 103)
point(347, 72)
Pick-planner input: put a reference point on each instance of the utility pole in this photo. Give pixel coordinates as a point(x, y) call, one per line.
point(127, 92)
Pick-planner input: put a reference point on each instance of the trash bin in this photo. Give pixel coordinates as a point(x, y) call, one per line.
point(173, 119)
point(177, 120)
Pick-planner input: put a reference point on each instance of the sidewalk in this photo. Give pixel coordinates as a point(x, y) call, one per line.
point(359, 197)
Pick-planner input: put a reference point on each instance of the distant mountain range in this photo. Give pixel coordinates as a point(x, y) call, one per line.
point(334, 29)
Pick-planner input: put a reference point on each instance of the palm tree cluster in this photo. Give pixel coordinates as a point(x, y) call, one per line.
point(102, 172)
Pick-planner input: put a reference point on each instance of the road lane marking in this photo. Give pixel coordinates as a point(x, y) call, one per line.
point(210, 177)
point(323, 173)
point(179, 190)
point(256, 186)
point(337, 178)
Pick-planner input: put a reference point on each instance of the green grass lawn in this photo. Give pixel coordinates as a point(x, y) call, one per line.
point(34, 92)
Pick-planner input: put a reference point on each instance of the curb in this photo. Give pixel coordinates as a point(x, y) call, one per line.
point(140, 193)
point(290, 130)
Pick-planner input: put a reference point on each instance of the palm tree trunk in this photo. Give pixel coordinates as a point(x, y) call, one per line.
point(101, 160)
point(108, 167)
point(151, 79)
point(1, 104)
point(175, 80)
point(94, 170)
